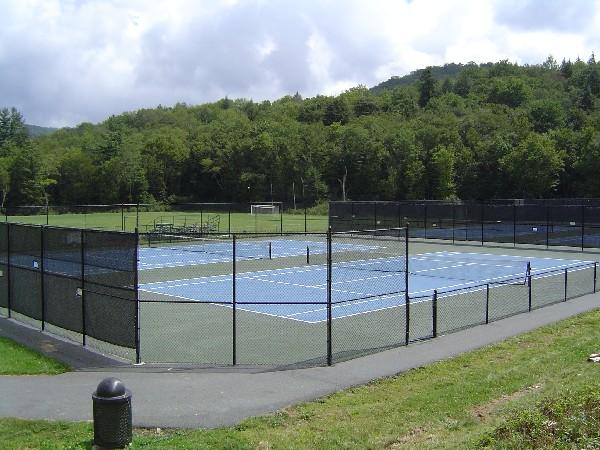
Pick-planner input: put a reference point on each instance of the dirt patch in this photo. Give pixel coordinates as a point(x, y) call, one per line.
point(416, 434)
point(482, 412)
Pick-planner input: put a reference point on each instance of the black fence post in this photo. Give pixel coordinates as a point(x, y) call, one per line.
point(83, 327)
point(514, 225)
point(582, 227)
point(482, 221)
point(566, 282)
point(435, 301)
point(547, 226)
point(529, 289)
point(233, 298)
point(595, 271)
point(453, 221)
point(406, 296)
point(43, 290)
point(305, 220)
point(8, 265)
point(138, 358)
point(487, 303)
point(229, 221)
point(375, 215)
point(399, 215)
point(137, 215)
point(425, 219)
point(281, 218)
point(329, 312)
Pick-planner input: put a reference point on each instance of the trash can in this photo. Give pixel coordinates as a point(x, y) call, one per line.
point(112, 414)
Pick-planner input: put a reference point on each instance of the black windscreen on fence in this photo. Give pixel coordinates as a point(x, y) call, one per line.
point(110, 265)
point(62, 278)
point(4, 265)
point(572, 223)
point(25, 259)
point(78, 280)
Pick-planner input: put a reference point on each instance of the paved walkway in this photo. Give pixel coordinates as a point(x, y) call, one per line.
point(219, 397)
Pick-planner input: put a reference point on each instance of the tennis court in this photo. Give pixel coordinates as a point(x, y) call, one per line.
point(180, 251)
point(359, 286)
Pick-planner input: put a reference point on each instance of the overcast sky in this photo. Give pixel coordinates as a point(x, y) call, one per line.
point(71, 61)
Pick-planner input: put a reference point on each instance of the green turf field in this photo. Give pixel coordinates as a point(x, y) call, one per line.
point(221, 222)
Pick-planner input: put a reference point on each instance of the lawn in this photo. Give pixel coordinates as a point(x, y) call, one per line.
point(464, 402)
point(18, 360)
point(219, 221)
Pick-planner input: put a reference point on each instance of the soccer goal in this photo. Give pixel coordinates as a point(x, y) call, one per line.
point(264, 209)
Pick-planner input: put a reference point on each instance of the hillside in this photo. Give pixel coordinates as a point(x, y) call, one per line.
point(496, 130)
point(439, 73)
point(37, 131)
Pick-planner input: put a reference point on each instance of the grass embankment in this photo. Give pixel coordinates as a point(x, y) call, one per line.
point(489, 397)
point(18, 360)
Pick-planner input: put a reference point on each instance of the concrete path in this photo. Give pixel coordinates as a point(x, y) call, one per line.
point(220, 397)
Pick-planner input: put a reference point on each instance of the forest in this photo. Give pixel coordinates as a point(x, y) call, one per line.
point(472, 131)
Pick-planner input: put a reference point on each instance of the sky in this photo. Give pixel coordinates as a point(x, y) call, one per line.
point(63, 62)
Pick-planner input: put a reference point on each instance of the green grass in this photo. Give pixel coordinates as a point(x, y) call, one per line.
point(18, 360)
point(239, 221)
point(458, 403)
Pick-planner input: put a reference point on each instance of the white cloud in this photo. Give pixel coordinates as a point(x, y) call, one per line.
point(62, 62)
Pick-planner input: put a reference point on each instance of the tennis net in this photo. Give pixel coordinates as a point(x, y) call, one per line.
point(223, 246)
point(380, 250)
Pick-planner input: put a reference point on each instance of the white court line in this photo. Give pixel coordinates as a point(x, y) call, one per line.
point(350, 303)
point(230, 306)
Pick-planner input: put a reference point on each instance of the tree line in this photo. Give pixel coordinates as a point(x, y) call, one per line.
point(495, 130)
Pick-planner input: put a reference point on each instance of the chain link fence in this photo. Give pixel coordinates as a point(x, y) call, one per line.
point(275, 299)
point(77, 283)
point(205, 218)
point(575, 223)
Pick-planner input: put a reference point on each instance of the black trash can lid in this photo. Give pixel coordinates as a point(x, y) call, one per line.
point(110, 387)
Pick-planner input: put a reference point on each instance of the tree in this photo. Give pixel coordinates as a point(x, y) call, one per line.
point(447, 86)
point(546, 115)
point(566, 68)
point(12, 128)
point(550, 63)
point(336, 111)
point(533, 166)
point(510, 91)
point(29, 180)
point(441, 173)
point(77, 176)
point(427, 86)
point(5, 164)
point(462, 86)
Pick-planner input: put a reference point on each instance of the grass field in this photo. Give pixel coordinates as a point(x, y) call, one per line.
point(495, 397)
point(18, 360)
point(220, 221)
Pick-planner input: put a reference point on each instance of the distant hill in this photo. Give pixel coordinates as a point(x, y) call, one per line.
point(439, 72)
point(36, 131)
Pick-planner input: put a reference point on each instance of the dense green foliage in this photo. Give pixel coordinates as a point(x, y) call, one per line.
point(462, 131)
point(568, 421)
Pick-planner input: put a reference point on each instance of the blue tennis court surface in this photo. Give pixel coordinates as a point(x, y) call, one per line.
point(362, 286)
point(210, 251)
